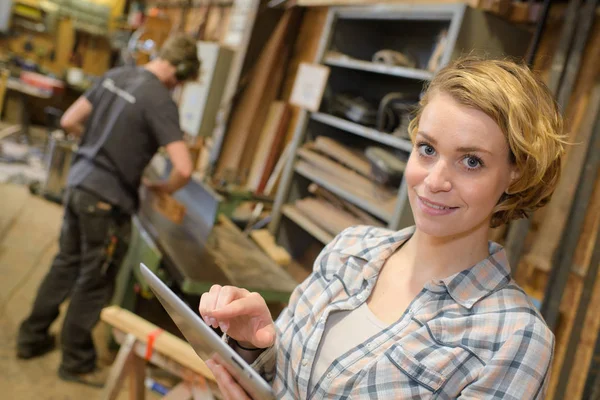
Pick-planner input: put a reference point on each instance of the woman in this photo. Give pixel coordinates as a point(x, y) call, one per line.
point(430, 311)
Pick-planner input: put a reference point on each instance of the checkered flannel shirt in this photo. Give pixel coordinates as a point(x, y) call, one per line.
point(473, 335)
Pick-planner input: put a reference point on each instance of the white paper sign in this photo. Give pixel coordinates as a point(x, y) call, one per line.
point(309, 86)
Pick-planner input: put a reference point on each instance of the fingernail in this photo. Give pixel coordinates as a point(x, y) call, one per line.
point(224, 327)
point(213, 322)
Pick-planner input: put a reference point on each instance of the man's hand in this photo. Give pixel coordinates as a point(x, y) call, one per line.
point(159, 187)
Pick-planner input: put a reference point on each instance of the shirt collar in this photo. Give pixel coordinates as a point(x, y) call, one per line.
point(466, 287)
point(487, 276)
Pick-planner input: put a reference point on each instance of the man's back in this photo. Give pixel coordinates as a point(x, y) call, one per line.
point(133, 114)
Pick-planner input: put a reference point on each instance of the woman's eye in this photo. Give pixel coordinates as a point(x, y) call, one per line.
point(472, 162)
point(426, 150)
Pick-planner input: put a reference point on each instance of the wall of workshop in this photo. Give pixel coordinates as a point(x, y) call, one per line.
point(53, 51)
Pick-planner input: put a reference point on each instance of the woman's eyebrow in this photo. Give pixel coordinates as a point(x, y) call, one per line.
point(467, 149)
point(472, 150)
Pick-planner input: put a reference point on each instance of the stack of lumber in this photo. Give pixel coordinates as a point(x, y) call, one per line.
point(269, 147)
point(347, 169)
point(550, 223)
point(254, 107)
point(324, 157)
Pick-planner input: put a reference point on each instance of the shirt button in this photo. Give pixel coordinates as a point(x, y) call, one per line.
point(304, 362)
point(329, 375)
point(360, 296)
point(369, 345)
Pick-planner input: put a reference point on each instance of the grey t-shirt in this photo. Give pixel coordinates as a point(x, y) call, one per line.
point(133, 115)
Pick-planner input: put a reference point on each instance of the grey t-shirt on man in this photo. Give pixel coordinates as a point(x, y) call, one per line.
point(133, 115)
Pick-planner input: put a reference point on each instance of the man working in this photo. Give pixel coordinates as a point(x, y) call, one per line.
point(123, 119)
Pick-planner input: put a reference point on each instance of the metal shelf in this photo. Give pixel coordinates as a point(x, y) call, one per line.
point(339, 188)
point(392, 70)
point(360, 130)
point(305, 223)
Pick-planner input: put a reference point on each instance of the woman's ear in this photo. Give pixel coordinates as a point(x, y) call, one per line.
point(514, 175)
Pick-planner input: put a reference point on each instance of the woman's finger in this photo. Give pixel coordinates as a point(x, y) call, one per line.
point(229, 387)
point(203, 307)
point(226, 296)
point(211, 303)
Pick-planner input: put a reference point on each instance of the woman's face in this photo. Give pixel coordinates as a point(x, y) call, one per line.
point(458, 169)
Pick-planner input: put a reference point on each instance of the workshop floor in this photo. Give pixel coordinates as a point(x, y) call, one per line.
point(29, 228)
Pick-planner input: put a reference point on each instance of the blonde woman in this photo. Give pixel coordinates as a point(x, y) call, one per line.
point(430, 311)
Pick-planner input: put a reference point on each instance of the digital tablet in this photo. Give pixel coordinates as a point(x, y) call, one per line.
point(205, 342)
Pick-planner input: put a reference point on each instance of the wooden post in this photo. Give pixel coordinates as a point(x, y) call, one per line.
point(119, 368)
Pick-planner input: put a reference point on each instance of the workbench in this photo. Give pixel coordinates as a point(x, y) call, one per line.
point(25, 91)
point(201, 251)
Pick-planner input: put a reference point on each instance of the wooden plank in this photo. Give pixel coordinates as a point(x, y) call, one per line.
point(331, 3)
point(342, 204)
point(343, 155)
point(585, 105)
point(591, 324)
point(305, 50)
point(168, 206)
point(268, 147)
point(65, 39)
point(250, 113)
point(362, 192)
point(172, 367)
point(307, 224)
point(327, 216)
point(137, 376)
point(267, 242)
point(182, 391)
point(165, 343)
point(119, 369)
point(96, 56)
point(271, 167)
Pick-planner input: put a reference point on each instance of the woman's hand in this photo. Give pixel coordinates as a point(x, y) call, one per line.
point(244, 316)
point(230, 390)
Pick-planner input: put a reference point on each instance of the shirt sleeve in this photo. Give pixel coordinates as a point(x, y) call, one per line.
point(163, 119)
point(93, 92)
point(519, 370)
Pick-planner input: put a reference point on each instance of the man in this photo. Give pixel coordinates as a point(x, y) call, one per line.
point(123, 119)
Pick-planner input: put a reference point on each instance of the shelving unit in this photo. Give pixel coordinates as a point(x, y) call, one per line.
point(403, 72)
point(351, 36)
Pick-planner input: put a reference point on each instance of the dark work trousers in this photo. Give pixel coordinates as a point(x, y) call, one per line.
point(93, 243)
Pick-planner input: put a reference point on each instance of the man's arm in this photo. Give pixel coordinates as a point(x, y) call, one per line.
point(182, 165)
point(181, 172)
point(74, 118)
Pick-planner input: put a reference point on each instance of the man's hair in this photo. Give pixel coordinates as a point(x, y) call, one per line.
point(525, 110)
point(178, 48)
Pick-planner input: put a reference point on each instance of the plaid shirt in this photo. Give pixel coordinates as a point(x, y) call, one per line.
point(473, 335)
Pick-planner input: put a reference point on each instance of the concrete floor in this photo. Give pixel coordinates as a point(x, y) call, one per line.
point(29, 228)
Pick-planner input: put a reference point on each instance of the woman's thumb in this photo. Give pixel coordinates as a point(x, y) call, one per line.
point(265, 336)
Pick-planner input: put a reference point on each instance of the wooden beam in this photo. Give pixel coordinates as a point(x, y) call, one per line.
point(267, 242)
point(327, 216)
point(269, 146)
point(165, 343)
point(119, 368)
point(331, 3)
point(250, 113)
point(343, 155)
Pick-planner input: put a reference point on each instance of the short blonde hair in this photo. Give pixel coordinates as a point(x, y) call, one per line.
point(525, 110)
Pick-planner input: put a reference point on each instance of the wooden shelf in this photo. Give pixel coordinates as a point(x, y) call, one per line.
point(360, 130)
point(382, 209)
point(392, 70)
point(305, 223)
